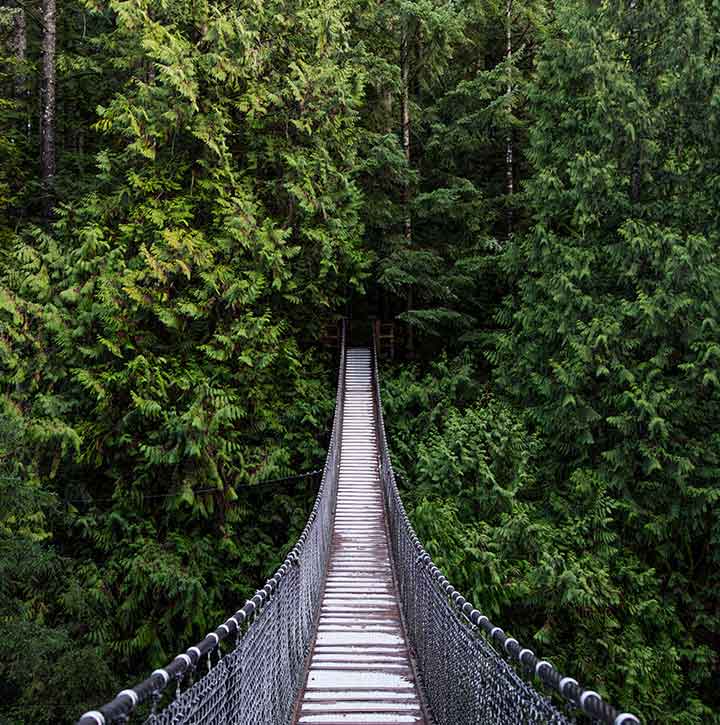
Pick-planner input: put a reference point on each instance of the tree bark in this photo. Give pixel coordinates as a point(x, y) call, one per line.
point(387, 103)
point(20, 50)
point(48, 105)
point(405, 123)
point(509, 151)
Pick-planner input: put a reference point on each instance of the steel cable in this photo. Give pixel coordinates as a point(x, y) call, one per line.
point(472, 673)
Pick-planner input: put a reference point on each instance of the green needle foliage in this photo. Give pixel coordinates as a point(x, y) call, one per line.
point(612, 332)
point(528, 188)
point(152, 334)
point(599, 539)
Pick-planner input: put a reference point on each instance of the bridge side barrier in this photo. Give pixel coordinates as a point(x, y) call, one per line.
point(257, 681)
point(469, 679)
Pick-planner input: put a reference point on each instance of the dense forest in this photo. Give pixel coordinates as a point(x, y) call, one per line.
point(191, 191)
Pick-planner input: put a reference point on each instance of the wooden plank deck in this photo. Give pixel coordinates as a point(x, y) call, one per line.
point(360, 670)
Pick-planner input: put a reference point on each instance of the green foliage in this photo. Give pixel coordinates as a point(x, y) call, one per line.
point(231, 174)
point(436, 221)
point(467, 462)
point(545, 561)
point(612, 330)
point(40, 681)
point(154, 336)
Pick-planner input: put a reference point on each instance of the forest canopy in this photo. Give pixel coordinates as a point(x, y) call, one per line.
point(192, 191)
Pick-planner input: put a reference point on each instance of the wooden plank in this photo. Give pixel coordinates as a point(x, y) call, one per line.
point(359, 670)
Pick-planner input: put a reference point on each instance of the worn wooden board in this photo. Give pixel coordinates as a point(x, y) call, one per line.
point(360, 670)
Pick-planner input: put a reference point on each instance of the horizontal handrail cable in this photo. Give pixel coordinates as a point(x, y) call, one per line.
point(213, 489)
point(257, 681)
point(467, 679)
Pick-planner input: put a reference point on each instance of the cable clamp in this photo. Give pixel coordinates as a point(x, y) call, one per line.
point(98, 717)
point(523, 652)
point(131, 694)
point(566, 681)
point(586, 694)
point(194, 649)
point(624, 716)
point(163, 674)
point(185, 659)
point(540, 665)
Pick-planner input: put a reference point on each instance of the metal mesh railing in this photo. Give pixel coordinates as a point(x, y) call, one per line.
point(472, 673)
point(257, 680)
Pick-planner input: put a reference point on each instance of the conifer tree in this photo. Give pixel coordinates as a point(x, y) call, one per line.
point(48, 109)
point(612, 327)
point(191, 189)
point(470, 95)
point(151, 335)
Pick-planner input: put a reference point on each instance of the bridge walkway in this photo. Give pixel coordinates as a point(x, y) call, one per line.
point(360, 670)
point(336, 597)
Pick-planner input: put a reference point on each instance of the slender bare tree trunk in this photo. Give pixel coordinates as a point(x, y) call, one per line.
point(509, 151)
point(635, 185)
point(48, 104)
point(387, 103)
point(405, 122)
point(20, 49)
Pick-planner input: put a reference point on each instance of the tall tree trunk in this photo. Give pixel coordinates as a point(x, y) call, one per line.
point(20, 50)
point(405, 123)
point(509, 151)
point(390, 124)
point(48, 105)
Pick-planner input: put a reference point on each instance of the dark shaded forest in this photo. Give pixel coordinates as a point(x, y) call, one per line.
point(193, 191)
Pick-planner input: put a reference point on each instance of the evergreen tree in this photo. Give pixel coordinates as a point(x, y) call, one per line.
point(613, 332)
point(152, 334)
point(190, 190)
point(442, 277)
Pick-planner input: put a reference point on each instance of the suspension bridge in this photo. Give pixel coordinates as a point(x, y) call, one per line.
point(358, 625)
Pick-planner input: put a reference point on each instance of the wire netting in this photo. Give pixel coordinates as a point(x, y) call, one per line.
point(465, 679)
point(257, 681)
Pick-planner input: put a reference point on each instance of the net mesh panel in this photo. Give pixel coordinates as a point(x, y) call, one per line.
point(464, 679)
point(257, 682)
